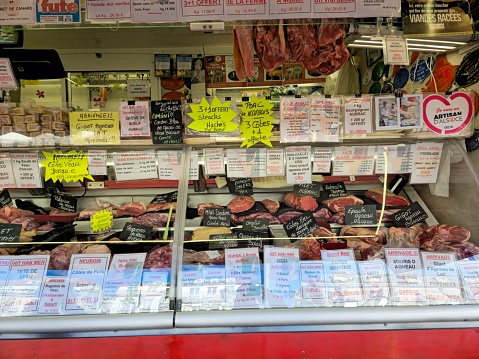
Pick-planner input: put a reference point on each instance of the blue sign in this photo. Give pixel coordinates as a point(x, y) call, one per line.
point(422, 69)
point(57, 11)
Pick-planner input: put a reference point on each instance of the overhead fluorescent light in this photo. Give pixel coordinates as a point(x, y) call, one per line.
point(410, 39)
point(363, 45)
point(423, 49)
point(368, 42)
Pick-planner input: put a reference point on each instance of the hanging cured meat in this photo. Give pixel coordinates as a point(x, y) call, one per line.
point(243, 49)
point(270, 44)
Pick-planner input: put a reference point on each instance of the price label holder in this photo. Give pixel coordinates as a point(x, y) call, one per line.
point(361, 215)
point(334, 190)
point(135, 232)
point(301, 226)
point(165, 197)
point(217, 217)
point(410, 215)
point(241, 186)
point(308, 189)
point(227, 240)
point(64, 203)
point(5, 199)
point(10, 235)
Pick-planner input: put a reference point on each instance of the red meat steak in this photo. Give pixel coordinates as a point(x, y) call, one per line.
point(337, 204)
point(241, 204)
point(272, 219)
point(436, 236)
point(285, 217)
point(304, 203)
point(271, 206)
point(322, 214)
point(131, 209)
point(392, 200)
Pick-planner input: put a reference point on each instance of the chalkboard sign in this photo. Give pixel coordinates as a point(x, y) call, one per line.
point(5, 199)
point(217, 217)
point(308, 189)
point(227, 240)
point(334, 189)
point(301, 226)
point(361, 215)
point(64, 203)
point(166, 120)
point(9, 235)
point(135, 232)
point(254, 239)
point(165, 197)
point(410, 215)
point(260, 225)
point(241, 186)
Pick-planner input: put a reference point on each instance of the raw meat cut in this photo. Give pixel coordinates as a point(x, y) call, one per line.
point(310, 249)
point(371, 253)
point(154, 219)
point(131, 209)
point(60, 256)
point(392, 200)
point(4, 252)
point(28, 224)
point(96, 249)
point(364, 235)
point(156, 207)
point(324, 232)
point(243, 49)
point(12, 213)
point(241, 204)
point(463, 250)
point(46, 227)
point(158, 258)
point(204, 233)
point(202, 206)
point(433, 237)
point(322, 214)
point(402, 237)
point(39, 252)
point(271, 206)
point(337, 204)
point(240, 219)
point(339, 218)
point(287, 216)
point(330, 30)
point(90, 211)
point(270, 43)
point(210, 257)
point(303, 203)
point(59, 212)
point(301, 38)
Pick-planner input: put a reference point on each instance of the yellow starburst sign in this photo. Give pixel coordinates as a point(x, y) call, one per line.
point(257, 122)
point(216, 117)
point(101, 221)
point(69, 167)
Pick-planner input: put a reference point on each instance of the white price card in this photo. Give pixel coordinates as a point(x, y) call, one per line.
point(26, 170)
point(469, 271)
point(153, 291)
point(313, 282)
point(191, 285)
point(246, 162)
point(322, 160)
point(342, 281)
point(294, 119)
point(443, 285)
point(399, 159)
point(357, 115)
point(426, 159)
point(7, 179)
point(282, 285)
point(138, 88)
point(121, 292)
point(87, 274)
point(194, 166)
point(135, 165)
point(146, 11)
point(17, 12)
point(52, 300)
point(135, 119)
point(243, 277)
point(395, 51)
point(24, 284)
point(103, 10)
point(214, 161)
point(298, 165)
point(241, 9)
point(7, 78)
point(169, 165)
point(333, 255)
point(274, 162)
point(354, 161)
point(405, 275)
point(5, 265)
point(380, 8)
point(375, 281)
point(214, 287)
point(290, 9)
point(324, 119)
point(97, 162)
point(335, 9)
point(192, 10)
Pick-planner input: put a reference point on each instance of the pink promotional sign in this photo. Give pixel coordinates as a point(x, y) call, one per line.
point(447, 115)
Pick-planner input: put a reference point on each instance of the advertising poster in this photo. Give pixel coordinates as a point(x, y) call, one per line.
point(57, 11)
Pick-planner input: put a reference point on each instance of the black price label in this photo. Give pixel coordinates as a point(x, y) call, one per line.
point(308, 189)
point(217, 217)
point(254, 239)
point(9, 235)
point(256, 225)
point(301, 226)
point(241, 186)
point(361, 215)
point(165, 197)
point(227, 240)
point(410, 215)
point(166, 122)
point(135, 232)
point(64, 203)
point(335, 189)
point(5, 199)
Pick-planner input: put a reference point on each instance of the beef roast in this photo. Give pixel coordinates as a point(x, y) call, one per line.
point(337, 204)
point(271, 206)
point(241, 204)
point(392, 200)
point(304, 203)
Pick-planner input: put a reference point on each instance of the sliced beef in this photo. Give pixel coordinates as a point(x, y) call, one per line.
point(271, 206)
point(337, 204)
point(154, 219)
point(270, 43)
point(243, 49)
point(287, 216)
point(157, 207)
point(241, 204)
point(202, 206)
point(436, 236)
point(240, 219)
point(392, 200)
point(322, 214)
point(159, 258)
point(132, 209)
point(304, 203)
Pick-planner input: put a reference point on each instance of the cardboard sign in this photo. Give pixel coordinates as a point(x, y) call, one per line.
point(101, 10)
point(301, 226)
point(147, 11)
point(97, 162)
point(135, 232)
point(227, 240)
point(26, 170)
point(410, 215)
point(7, 78)
point(374, 280)
point(5, 199)
point(135, 119)
point(395, 51)
point(69, 167)
point(399, 159)
point(256, 225)
point(361, 215)
point(294, 119)
point(274, 162)
point(426, 159)
point(313, 283)
point(17, 12)
point(52, 300)
point(64, 203)
point(166, 121)
point(7, 178)
point(357, 116)
point(298, 165)
point(135, 165)
point(308, 189)
point(94, 128)
point(342, 280)
point(9, 235)
point(322, 160)
point(216, 117)
point(165, 197)
point(241, 186)
point(469, 271)
point(214, 161)
point(193, 172)
point(217, 217)
point(169, 165)
point(354, 161)
point(257, 123)
point(325, 116)
point(334, 189)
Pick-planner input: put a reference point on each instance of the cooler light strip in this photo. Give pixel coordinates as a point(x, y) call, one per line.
point(385, 154)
